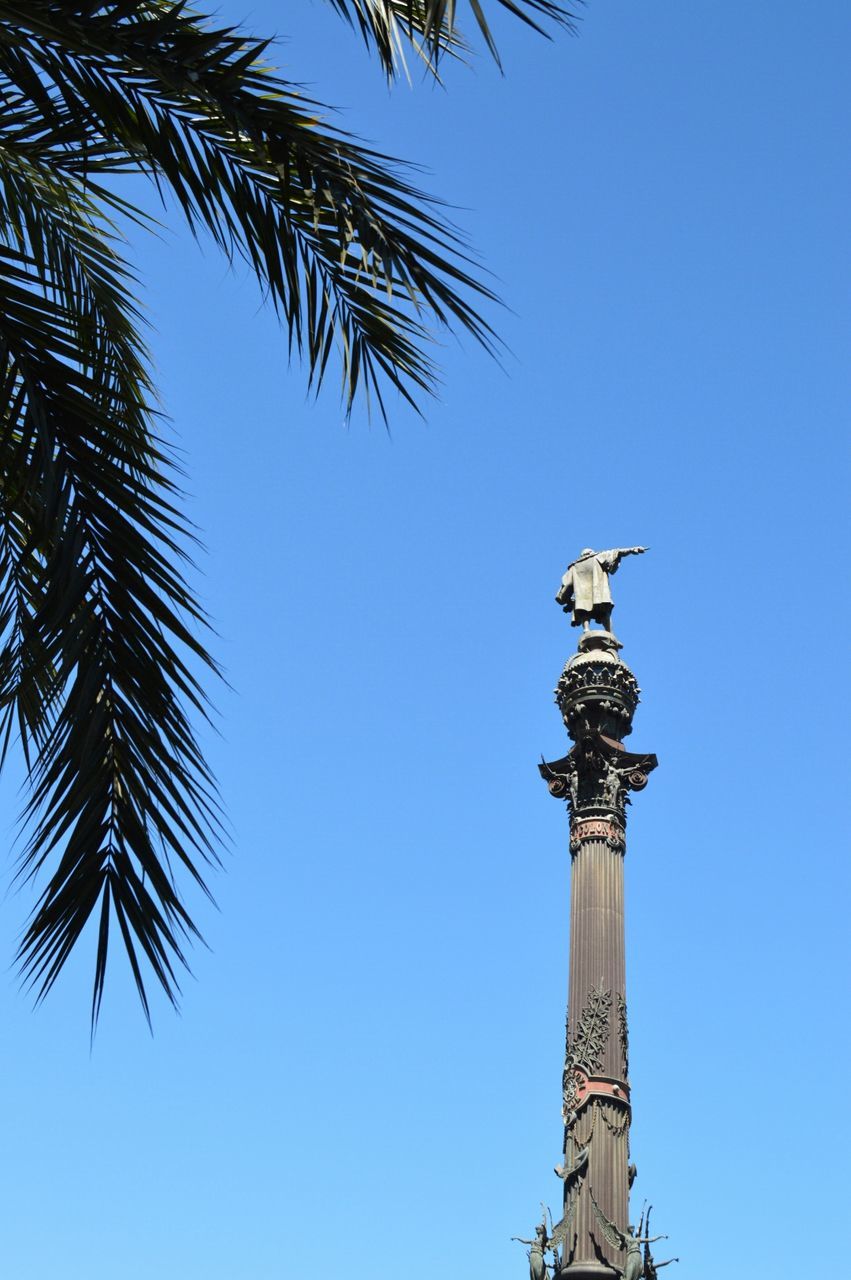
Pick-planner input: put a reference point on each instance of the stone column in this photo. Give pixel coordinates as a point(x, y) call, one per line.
point(597, 695)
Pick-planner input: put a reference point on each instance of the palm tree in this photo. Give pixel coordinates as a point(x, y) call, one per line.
point(101, 639)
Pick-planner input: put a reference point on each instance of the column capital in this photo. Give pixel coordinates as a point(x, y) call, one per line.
point(595, 778)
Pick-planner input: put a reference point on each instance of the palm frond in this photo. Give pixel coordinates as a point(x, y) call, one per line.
point(97, 614)
point(431, 29)
point(93, 612)
point(351, 253)
point(101, 640)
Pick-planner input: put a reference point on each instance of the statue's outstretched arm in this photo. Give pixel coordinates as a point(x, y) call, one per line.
point(611, 559)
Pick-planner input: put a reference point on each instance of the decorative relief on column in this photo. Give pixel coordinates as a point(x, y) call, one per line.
point(585, 829)
point(582, 1141)
point(567, 1092)
point(617, 1128)
point(623, 1031)
point(583, 1058)
point(589, 1042)
point(572, 1175)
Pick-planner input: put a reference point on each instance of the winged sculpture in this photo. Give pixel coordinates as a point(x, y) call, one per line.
point(561, 1231)
point(633, 1268)
point(552, 1241)
point(651, 1267)
point(538, 1269)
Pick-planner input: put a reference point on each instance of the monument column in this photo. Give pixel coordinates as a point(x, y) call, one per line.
point(597, 695)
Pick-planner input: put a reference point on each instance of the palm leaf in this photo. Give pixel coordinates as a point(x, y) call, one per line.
point(97, 614)
point(350, 252)
point(430, 26)
point(101, 640)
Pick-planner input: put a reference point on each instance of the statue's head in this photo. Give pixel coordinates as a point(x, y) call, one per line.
point(586, 551)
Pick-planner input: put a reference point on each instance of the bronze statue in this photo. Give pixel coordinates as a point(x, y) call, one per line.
point(585, 587)
point(628, 1240)
point(612, 785)
point(538, 1269)
point(651, 1267)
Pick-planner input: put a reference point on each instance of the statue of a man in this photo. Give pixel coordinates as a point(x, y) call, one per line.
point(585, 588)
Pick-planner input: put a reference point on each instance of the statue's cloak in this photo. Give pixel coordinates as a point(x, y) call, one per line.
point(587, 582)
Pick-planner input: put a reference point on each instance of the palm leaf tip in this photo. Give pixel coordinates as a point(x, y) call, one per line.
point(99, 643)
point(430, 27)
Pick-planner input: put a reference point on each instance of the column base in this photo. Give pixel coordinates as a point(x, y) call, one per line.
point(591, 1270)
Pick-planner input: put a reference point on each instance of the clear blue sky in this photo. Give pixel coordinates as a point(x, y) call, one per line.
point(365, 1077)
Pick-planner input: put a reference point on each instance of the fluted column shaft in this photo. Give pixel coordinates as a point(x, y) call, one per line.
point(596, 1036)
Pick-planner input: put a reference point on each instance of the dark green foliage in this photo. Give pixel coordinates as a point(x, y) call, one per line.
point(430, 27)
point(101, 640)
